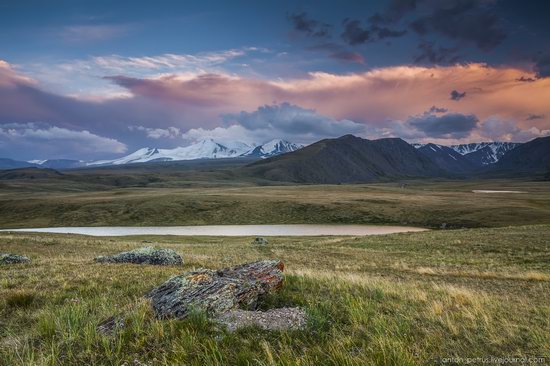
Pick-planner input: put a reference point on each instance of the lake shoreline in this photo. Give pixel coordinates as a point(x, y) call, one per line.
point(229, 230)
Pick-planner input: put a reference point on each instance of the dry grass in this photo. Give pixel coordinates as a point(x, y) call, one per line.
point(404, 299)
point(429, 204)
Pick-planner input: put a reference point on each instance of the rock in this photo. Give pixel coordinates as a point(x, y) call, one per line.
point(216, 291)
point(260, 241)
point(274, 319)
point(110, 325)
point(146, 255)
point(6, 258)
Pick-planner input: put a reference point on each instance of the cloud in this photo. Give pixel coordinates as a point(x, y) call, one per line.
point(395, 10)
point(157, 133)
point(283, 120)
point(384, 32)
point(93, 33)
point(526, 79)
point(456, 95)
point(498, 129)
point(435, 109)
point(339, 52)
point(532, 117)
point(450, 125)
point(354, 33)
point(74, 76)
point(470, 21)
point(375, 97)
point(429, 53)
point(37, 140)
point(302, 23)
point(165, 62)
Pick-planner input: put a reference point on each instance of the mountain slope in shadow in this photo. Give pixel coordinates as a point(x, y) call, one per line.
point(348, 159)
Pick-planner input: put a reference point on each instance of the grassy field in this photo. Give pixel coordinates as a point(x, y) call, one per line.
point(403, 299)
point(41, 203)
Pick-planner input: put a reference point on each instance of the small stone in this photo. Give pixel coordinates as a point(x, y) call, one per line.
point(110, 325)
point(146, 255)
point(260, 241)
point(7, 258)
point(274, 319)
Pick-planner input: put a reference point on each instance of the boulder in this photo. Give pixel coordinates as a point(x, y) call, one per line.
point(217, 291)
point(274, 319)
point(146, 255)
point(260, 241)
point(6, 258)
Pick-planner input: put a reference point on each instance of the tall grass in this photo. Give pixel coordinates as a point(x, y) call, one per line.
point(405, 299)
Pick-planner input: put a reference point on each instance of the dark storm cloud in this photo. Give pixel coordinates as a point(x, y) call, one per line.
point(435, 109)
point(430, 53)
point(464, 20)
point(532, 117)
point(338, 52)
point(355, 33)
point(451, 125)
point(456, 95)
point(395, 10)
point(293, 120)
point(302, 23)
point(383, 32)
point(526, 79)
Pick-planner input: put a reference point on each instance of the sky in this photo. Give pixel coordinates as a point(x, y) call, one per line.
point(99, 79)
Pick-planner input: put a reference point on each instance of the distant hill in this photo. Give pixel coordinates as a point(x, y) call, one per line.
point(448, 159)
point(348, 159)
point(29, 173)
point(14, 164)
point(530, 157)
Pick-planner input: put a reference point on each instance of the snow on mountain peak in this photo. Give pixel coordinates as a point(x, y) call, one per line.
point(204, 149)
point(272, 148)
point(489, 152)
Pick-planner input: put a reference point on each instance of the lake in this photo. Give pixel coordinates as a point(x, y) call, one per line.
point(230, 230)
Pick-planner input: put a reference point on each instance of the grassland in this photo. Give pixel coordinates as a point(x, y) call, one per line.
point(180, 200)
point(404, 299)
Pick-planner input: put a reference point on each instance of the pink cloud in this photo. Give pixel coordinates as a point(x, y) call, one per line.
point(380, 98)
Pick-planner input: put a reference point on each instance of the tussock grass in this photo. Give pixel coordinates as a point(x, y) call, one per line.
point(403, 299)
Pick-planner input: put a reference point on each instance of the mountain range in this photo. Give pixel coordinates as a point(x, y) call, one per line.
point(204, 149)
point(350, 159)
point(480, 153)
point(347, 159)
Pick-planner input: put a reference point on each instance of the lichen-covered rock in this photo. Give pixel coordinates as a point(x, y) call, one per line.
point(260, 241)
point(274, 319)
point(216, 291)
point(6, 258)
point(146, 255)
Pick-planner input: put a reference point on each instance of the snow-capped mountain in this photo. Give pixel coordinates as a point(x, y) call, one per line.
point(204, 149)
point(485, 153)
point(272, 148)
point(446, 158)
